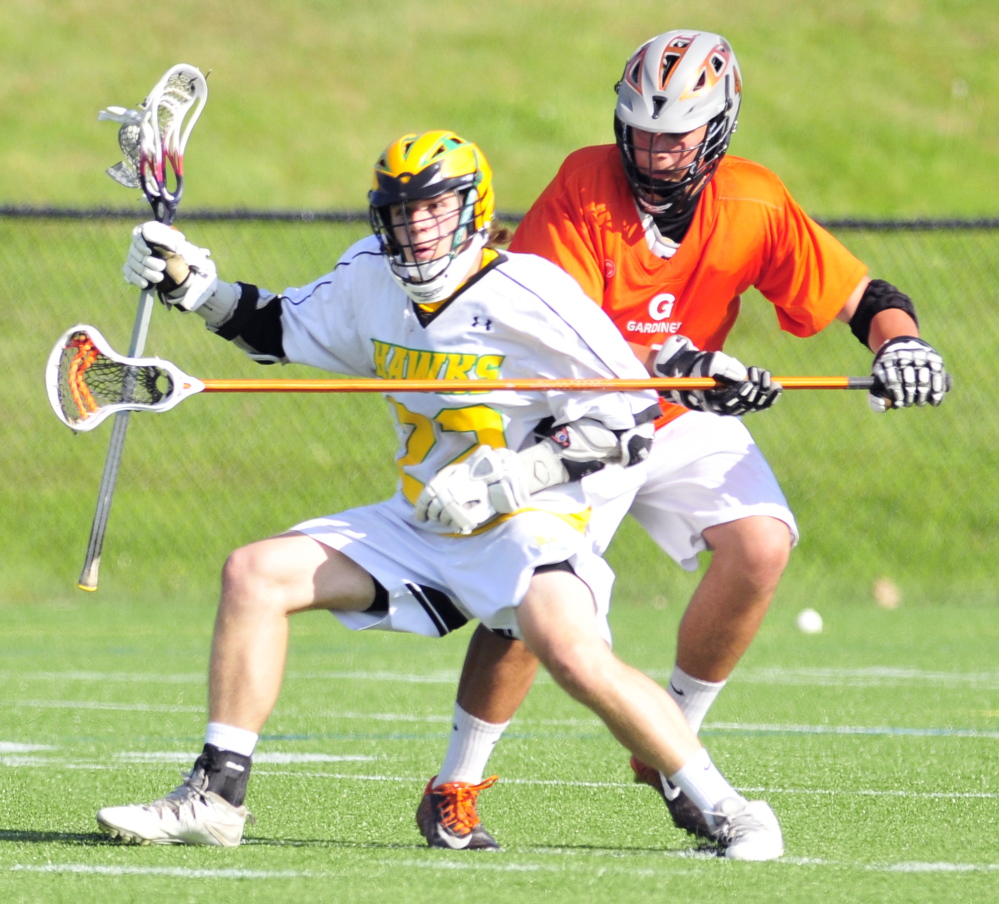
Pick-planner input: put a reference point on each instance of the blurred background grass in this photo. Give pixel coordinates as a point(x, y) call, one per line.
point(865, 109)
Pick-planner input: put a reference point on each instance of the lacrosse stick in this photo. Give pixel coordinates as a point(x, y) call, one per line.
point(150, 137)
point(87, 381)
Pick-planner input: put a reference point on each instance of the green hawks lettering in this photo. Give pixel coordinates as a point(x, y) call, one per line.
point(396, 362)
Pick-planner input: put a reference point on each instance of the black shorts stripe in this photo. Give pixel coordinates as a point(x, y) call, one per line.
point(439, 608)
point(381, 604)
point(555, 566)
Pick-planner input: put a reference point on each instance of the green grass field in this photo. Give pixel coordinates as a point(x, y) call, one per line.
point(864, 107)
point(874, 742)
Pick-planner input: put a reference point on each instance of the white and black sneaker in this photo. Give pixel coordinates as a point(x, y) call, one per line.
point(683, 811)
point(190, 814)
point(746, 829)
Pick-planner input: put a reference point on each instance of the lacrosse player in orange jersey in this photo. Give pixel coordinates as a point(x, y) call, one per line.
point(666, 232)
point(489, 518)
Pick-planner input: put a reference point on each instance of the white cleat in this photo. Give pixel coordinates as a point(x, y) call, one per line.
point(747, 829)
point(189, 814)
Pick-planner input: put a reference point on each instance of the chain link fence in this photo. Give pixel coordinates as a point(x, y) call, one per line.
point(906, 495)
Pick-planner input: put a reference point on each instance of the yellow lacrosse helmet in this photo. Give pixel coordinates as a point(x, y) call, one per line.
point(420, 167)
point(424, 166)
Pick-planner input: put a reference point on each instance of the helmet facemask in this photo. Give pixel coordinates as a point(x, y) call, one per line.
point(670, 194)
point(429, 279)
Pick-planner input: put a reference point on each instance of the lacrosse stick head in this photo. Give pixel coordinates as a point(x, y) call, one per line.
point(87, 381)
point(152, 138)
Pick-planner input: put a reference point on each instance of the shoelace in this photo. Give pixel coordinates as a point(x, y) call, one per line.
point(732, 826)
point(458, 804)
point(175, 803)
point(187, 795)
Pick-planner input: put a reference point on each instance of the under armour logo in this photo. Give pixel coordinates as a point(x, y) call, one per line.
point(485, 324)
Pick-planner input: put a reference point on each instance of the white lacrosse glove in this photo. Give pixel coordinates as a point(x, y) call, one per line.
point(749, 389)
point(908, 371)
point(159, 257)
point(467, 495)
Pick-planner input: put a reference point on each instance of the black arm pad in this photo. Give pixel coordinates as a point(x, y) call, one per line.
point(259, 328)
point(878, 296)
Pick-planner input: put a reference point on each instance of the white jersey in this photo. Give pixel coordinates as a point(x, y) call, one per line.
point(519, 317)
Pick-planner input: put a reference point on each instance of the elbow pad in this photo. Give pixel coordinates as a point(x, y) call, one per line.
point(878, 296)
point(252, 321)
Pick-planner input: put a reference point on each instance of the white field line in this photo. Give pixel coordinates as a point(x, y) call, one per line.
point(505, 865)
point(286, 711)
point(181, 758)
point(553, 783)
point(111, 707)
point(881, 730)
point(872, 676)
point(288, 758)
point(448, 677)
point(522, 723)
point(267, 757)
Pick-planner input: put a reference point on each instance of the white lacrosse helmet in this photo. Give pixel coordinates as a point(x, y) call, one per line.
point(675, 83)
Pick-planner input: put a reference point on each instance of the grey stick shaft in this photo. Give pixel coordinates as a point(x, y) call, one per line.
point(92, 564)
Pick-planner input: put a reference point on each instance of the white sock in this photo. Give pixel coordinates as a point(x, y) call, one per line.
point(472, 742)
point(693, 696)
point(701, 781)
point(228, 737)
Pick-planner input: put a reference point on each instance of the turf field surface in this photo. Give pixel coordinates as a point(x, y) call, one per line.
point(874, 741)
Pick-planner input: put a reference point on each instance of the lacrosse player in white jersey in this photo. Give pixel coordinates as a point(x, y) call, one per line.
point(489, 520)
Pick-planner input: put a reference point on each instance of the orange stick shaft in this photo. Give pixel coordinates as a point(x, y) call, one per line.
point(463, 386)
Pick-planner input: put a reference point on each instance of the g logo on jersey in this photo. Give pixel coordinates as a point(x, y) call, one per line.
point(661, 306)
point(660, 310)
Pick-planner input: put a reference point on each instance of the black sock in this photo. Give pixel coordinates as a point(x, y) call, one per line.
point(228, 773)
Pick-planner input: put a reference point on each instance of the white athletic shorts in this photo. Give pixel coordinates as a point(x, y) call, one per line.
point(704, 469)
point(436, 583)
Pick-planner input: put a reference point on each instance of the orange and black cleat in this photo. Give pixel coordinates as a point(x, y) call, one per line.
point(447, 817)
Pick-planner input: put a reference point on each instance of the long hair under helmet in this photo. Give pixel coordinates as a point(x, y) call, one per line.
point(675, 83)
point(417, 168)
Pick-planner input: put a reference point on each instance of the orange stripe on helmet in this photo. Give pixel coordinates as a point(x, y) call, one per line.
point(710, 73)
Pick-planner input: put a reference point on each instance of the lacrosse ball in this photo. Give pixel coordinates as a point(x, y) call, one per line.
point(809, 621)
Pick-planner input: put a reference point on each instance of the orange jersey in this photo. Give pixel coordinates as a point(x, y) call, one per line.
point(746, 231)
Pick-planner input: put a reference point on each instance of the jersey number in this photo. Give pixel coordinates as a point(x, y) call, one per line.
point(484, 423)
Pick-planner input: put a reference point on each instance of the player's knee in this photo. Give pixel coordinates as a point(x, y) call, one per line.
point(576, 667)
point(247, 579)
point(759, 547)
point(768, 550)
